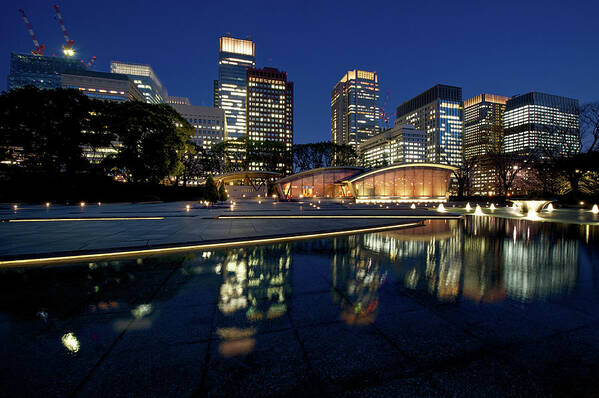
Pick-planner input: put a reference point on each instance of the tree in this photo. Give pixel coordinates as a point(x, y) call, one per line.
point(323, 154)
point(222, 193)
point(507, 167)
point(153, 139)
point(211, 191)
point(463, 177)
point(49, 128)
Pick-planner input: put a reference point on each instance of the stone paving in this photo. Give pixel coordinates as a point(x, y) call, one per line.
point(177, 224)
point(319, 318)
point(335, 317)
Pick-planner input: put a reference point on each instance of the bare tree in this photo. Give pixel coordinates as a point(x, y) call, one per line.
point(463, 177)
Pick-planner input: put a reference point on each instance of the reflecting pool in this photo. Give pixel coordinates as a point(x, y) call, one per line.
point(480, 306)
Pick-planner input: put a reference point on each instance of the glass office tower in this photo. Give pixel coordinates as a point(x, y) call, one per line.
point(439, 112)
point(40, 71)
point(541, 122)
point(144, 78)
point(483, 124)
point(355, 113)
point(270, 112)
point(235, 56)
point(483, 133)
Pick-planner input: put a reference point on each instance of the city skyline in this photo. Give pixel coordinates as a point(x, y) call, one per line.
point(185, 59)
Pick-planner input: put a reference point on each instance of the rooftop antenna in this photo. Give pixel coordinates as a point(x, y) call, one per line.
point(39, 48)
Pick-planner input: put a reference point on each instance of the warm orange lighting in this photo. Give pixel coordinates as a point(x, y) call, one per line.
point(87, 219)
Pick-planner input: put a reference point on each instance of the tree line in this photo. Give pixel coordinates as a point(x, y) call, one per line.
point(60, 132)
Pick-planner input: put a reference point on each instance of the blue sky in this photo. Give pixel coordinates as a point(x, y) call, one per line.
point(497, 47)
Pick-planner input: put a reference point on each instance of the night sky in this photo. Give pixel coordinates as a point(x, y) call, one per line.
point(500, 47)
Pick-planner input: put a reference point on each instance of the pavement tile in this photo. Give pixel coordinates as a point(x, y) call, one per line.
point(266, 365)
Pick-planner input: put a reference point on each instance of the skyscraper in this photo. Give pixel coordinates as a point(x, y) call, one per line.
point(355, 112)
point(541, 122)
point(483, 133)
point(40, 71)
point(439, 112)
point(483, 124)
point(144, 78)
point(270, 111)
point(235, 56)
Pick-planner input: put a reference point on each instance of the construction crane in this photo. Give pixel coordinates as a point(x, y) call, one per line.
point(383, 114)
point(90, 63)
point(67, 48)
point(39, 48)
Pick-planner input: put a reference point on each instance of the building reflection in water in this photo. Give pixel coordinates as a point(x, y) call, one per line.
point(482, 259)
point(357, 277)
point(427, 258)
point(538, 266)
point(255, 287)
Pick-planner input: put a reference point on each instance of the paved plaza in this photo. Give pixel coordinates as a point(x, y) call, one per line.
point(150, 225)
point(457, 306)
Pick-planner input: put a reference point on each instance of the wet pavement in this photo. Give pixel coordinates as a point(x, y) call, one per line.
point(33, 231)
point(474, 307)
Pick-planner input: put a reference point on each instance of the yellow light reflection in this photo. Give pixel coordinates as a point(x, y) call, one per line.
point(70, 342)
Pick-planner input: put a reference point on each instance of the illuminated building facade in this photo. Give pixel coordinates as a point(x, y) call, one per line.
point(355, 113)
point(102, 85)
point(144, 78)
point(208, 122)
point(411, 182)
point(40, 71)
point(541, 122)
point(399, 144)
point(439, 112)
point(483, 133)
point(270, 112)
point(235, 56)
point(177, 100)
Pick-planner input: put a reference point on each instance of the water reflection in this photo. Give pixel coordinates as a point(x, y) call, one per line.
point(479, 259)
point(356, 278)
point(255, 287)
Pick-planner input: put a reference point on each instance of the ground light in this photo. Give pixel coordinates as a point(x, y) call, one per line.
point(478, 211)
point(468, 207)
point(47, 204)
point(441, 208)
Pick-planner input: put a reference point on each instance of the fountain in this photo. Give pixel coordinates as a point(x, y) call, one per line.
point(492, 207)
point(468, 207)
point(595, 209)
point(478, 211)
point(549, 207)
point(441, 208)
point(413, 206)
point(526, 205)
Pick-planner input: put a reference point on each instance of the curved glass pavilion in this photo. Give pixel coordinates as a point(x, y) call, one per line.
point(408, 182)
